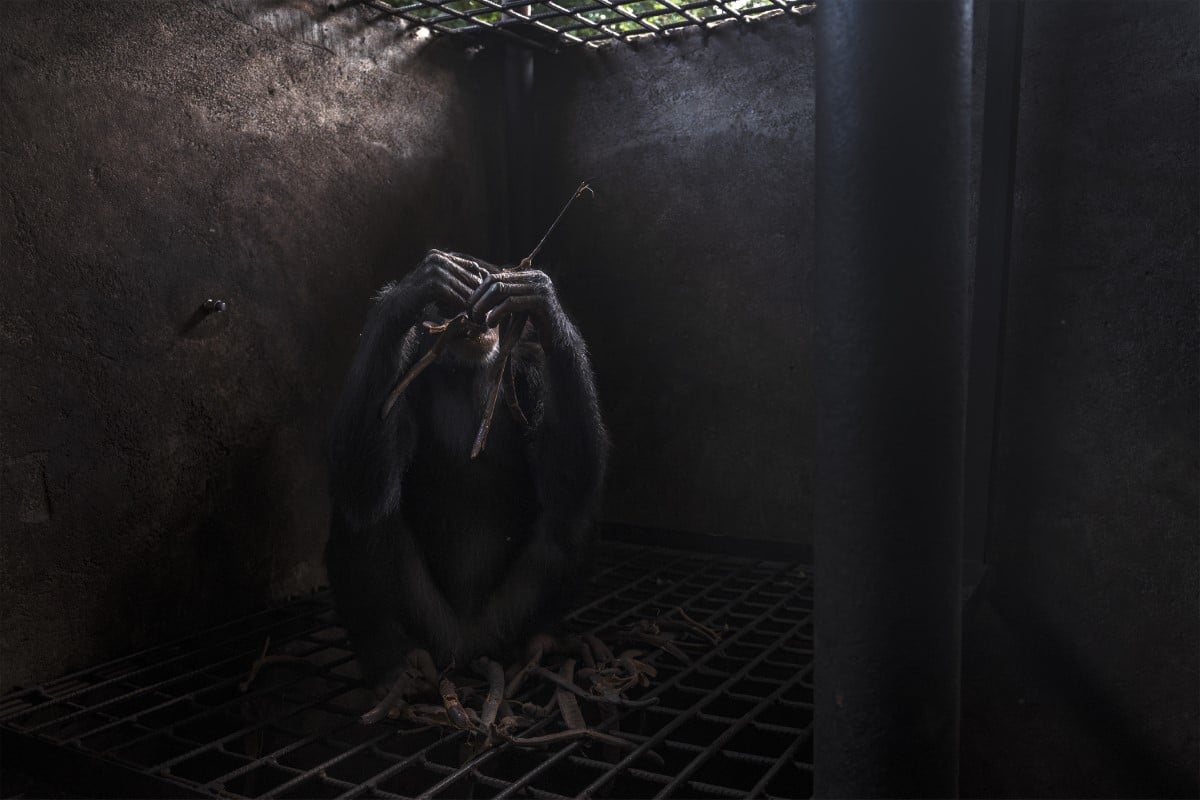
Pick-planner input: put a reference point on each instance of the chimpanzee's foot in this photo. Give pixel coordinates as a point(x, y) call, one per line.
point(539, 646)
point(419, 677)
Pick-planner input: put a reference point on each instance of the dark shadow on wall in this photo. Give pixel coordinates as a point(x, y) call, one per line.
point(1082, 677)
point(1057, 727)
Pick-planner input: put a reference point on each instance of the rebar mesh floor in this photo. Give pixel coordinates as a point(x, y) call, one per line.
point(735, 722)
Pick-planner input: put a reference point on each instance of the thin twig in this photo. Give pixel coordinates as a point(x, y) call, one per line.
point(602, 651)
point(389, 701)
point(495, 695)
point(527, 262)
point(535, 658)
point(444, 332)
point(454, 709)
point(512, 334)
point(578, 692)
point(510, 396)
point(277, 660)
point(571, 713)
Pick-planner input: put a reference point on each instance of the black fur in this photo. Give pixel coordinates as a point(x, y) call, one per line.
point(428, 548)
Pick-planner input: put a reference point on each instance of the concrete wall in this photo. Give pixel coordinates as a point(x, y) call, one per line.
point(1081, 669)
point(158, 477)
point(689, 271)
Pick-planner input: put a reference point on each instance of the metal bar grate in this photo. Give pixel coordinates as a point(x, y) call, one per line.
point(551, 24)
point(735, 722)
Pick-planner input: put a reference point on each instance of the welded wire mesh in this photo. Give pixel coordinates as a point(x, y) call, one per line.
point(734, 721)
point(554, 23)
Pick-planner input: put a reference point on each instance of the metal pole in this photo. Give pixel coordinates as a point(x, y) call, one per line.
point(518, 127)
point(998, 157)
point(893, 101)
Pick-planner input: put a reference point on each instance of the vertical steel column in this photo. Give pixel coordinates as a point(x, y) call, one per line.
point(518, 129)
point(893, 101)
point(997, 172)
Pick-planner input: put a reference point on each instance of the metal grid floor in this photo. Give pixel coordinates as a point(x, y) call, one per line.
point(735, 722)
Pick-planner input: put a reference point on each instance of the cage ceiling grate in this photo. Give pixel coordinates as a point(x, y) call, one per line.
point(732, 721)
point(551, 24)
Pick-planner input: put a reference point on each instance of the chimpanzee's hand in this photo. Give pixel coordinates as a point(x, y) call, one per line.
point(445, 278)
point(519, 291)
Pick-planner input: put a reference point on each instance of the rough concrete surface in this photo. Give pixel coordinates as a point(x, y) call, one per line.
point(694, 261)
point(161, 471)
point(1082, 672)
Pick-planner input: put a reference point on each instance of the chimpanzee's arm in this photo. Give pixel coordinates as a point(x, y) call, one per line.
point(568, 451)
point(382, 583)
point(368, 454)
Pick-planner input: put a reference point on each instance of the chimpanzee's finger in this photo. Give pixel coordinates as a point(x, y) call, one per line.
point(495, 294)
point(447, 265)
point(525, 297)
point(469, 264)
point(449, 293)
point(481, 290)
point(535, 276)
point(512, 305)
point(468, 269)
point(461, 290)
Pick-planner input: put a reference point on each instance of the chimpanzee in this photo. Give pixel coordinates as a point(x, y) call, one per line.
point(430, 548)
